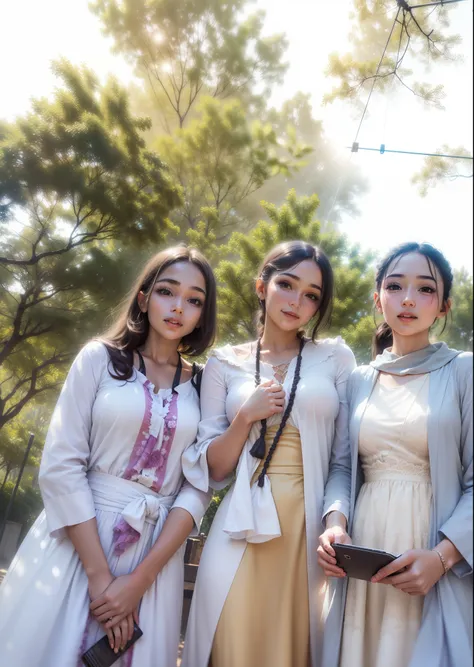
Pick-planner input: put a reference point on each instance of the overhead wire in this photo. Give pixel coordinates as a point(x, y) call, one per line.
point(344, 172)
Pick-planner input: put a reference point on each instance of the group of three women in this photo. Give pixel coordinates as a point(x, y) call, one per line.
point(314, 450)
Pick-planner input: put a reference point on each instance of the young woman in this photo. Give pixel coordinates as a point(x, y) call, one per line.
point(411, 438)
point(108, 548)
point(272, 410)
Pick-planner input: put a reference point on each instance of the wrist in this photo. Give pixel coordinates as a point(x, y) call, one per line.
point(448, 553)
point(145, 574)
point(336, 519)
point(243, 419)
point(95, 572)
point(442, 562)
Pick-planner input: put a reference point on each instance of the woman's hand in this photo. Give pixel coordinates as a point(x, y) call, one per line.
point(119, 601)
point(422, 569)
point(268, 399)
point(98, 584)
point(327, 555)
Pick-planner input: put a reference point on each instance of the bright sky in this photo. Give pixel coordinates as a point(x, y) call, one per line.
point(34, 33)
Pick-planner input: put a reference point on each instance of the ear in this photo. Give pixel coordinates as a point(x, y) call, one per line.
point(445, 308)
point(260, 289)
point(378, 305)
point(142, 302)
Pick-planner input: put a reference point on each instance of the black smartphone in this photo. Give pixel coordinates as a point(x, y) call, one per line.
point(101, 655)
point(361, 562)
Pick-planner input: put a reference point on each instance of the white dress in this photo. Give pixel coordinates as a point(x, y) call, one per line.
point(392, 513)
point(113, 451)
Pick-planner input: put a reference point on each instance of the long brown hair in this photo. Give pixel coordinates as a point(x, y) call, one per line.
point(130, 329)
point(289, 254)
point(383, 336)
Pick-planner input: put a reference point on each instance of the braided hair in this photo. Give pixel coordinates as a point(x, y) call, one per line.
point(258, 449)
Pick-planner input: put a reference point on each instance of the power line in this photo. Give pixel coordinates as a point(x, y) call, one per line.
point(344, 172)
point(376, 72)
point(402, 4)
point(433, 4)
point(355, 148)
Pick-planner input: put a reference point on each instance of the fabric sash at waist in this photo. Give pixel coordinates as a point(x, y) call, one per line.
point(136, 503)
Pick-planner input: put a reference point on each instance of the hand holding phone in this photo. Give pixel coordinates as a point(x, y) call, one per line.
point(101, 655)
point(361, 562)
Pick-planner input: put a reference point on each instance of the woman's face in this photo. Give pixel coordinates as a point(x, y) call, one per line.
point(176, 303)
point(292, 297)
point(411, 298)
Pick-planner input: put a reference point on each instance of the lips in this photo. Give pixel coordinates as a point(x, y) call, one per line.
point(173, 322)
point(290, 314)
point(407, 317)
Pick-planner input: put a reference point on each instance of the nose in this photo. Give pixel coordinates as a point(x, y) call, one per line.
point(294, 301)
point(409, 298)
point(178, 308)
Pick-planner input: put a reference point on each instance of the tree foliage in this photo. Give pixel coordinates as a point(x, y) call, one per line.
point(207, 73)
point(192, 48)
point(75, 175)
point(436, 169)
point(295, 219)
point(320, 171)
point(458, 333)
point(220, 159)
point(402, 35)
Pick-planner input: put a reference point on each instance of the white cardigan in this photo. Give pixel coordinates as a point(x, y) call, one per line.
point(248, 514)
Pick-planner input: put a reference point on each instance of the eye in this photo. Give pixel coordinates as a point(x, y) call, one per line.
point(284, 284)
point(427, 289)
point(313, 297)
point(392, 287)
point(196, 302)
point(164, 291)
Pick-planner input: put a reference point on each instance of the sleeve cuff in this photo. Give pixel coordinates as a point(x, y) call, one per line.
point(196, 470)
point(68, 511)
point(463, 568)
point(337, 506)
point(195, 502)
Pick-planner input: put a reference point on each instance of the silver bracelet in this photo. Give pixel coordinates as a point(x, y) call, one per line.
point(442, 559)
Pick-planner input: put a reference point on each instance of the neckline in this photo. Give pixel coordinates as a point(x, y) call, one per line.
point(145, 380)
point(253, 353)
point(176, 379)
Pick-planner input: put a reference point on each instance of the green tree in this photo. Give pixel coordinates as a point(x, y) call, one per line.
point(207, 72)
point(436, 169)
point(220, 159)
point(458, 333)
point(193, 48)
point(386, 38)
point(75, 177)
point(402, 34)
point(319, 170)
point(295, 219)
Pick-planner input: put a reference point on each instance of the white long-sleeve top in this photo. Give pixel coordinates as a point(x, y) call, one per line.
point(121, 428)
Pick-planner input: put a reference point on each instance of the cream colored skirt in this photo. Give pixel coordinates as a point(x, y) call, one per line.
point(381, 623)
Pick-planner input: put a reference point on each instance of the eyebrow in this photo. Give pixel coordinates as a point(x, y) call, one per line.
point(171, 281)
point(292, 275)
point(402, 275)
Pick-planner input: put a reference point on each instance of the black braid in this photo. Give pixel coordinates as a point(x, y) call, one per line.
point(258, 448)
point(286, 415)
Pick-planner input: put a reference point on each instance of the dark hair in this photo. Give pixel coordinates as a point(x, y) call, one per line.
point(131, 327)
point(288, 254)
point(383, 337)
